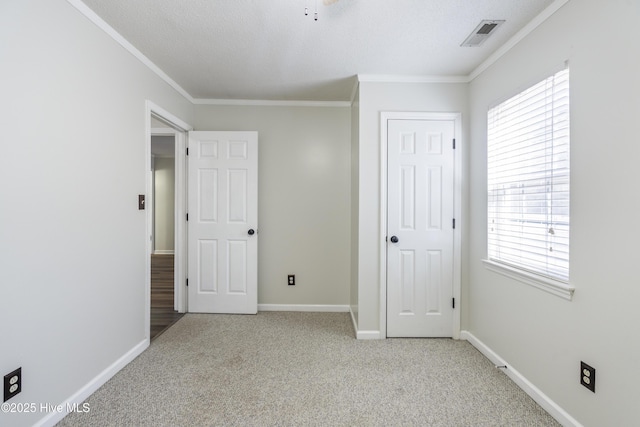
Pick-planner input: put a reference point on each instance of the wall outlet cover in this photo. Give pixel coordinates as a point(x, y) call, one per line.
point(12, 384)
point(588, 376)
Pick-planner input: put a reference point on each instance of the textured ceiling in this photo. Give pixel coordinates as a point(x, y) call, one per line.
point(269, 50)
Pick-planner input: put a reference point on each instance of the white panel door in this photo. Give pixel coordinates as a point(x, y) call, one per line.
point(420, 207)
point(223, 222)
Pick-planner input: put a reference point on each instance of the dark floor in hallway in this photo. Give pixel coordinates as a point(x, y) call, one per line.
point(162, 294)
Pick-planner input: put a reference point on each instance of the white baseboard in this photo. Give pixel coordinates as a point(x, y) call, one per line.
point(368, 335)
point(81, 395)
point(163, 252)
point(535, 393)
point(354, 321)
point(304, 307)
point(363, 335)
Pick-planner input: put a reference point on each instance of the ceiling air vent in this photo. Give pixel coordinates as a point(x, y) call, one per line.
point(482, 32)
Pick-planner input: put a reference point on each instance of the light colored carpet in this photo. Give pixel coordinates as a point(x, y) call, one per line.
point(305, 369)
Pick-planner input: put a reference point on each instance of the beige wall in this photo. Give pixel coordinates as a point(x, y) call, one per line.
point(540, 335)
point(374, 99)
point(304, 198)
point(164, 203)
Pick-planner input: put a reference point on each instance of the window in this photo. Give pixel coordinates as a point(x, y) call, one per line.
point(528, 180)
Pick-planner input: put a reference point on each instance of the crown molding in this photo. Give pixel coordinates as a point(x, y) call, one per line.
point(517, 37)
point(391, 78)
point(100, 23)
point(370, 78)
point(354, 91)
point(493, 58)
point(270, 103)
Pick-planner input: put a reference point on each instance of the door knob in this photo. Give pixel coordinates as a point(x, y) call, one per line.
point(394, 239)
point(251, 232)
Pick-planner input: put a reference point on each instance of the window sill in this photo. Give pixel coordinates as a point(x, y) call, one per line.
point(555, 287)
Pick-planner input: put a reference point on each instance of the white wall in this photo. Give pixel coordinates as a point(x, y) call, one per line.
point(375, 98)
point(164, 203)
point(540, 335)
point(72, 270)
point(304, 198)
point(355, 214)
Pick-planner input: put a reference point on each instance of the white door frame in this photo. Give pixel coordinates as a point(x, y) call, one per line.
point(180, 129)
point(457, 210)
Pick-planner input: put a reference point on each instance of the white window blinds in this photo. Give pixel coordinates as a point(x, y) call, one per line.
point(528, 179)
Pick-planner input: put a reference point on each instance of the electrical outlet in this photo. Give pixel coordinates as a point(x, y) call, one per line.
point(588, 376)
point(12, 384)
point(291, 279)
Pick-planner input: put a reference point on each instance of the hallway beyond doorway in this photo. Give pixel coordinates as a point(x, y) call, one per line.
point(163, 314)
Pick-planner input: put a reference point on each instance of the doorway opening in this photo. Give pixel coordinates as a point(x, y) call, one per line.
point(162, 204)
point(166, 252)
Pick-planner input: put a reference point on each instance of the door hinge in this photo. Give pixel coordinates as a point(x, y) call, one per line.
point(454, 143)
point(453, 303)
point(187, 217)
point(187, 282)
point(454, 223)
point(187, 151)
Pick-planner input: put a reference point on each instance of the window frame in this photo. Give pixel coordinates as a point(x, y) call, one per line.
point(520, 272)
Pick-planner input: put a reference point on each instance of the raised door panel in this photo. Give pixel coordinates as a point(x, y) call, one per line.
point(223, 194)
point(420, 172)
